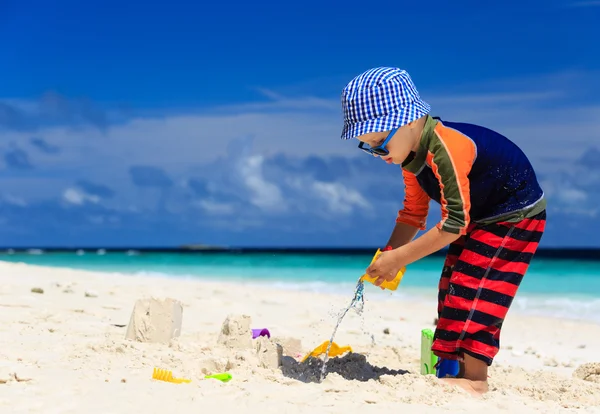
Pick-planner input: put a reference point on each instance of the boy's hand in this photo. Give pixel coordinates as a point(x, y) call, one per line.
point(385, 267)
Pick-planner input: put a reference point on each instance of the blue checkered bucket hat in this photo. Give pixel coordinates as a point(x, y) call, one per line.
point(380, 100)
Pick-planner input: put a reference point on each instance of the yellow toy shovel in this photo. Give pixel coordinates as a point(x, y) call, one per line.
point(334, 351)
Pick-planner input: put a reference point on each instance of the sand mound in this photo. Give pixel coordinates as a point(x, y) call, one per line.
point(236, 332)
point(155, 320)
point(237, 349)
point(269, 353)
point(588, 372)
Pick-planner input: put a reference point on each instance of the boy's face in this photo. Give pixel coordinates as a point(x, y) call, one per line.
point(399, 145)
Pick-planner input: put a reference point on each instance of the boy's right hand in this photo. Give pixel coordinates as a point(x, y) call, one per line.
point(384, 267)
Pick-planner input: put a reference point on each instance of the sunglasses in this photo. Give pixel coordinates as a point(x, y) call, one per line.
point(380, 149)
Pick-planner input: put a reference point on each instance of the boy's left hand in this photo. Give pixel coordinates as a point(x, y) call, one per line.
point(385, 267)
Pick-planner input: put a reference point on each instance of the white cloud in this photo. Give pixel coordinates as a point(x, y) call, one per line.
point(524, 111)
point(102, 219)
point(339, 198)
point(215, 208)
point(14, 200)
point(496, 99)
point(264, 194)
point(579, 211)
point(78, 197)
point(247, 177)
point(572, 195)
point(33, 188)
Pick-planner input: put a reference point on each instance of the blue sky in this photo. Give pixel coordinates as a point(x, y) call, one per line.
point(163, 123)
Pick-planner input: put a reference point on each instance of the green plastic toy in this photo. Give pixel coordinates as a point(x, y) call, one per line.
point(428, 358)
point(221, 377)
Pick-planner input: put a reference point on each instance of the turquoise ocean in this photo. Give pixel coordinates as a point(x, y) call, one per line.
point(565, 288)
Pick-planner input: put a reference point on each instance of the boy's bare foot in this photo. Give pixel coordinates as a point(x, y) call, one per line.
point(475, 388)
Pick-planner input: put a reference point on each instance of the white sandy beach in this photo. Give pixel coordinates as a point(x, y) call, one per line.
point(61, 353)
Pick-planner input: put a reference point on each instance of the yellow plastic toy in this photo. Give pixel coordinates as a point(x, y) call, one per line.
point(334, 351)
point(167, 376)
point(391, 285)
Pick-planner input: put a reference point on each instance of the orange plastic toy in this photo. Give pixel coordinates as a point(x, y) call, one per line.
point(334, 351)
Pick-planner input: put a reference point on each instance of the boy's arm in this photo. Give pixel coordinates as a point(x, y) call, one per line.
point(430, 242)
point(413, 215)
point(451, 156)
point(402, 234)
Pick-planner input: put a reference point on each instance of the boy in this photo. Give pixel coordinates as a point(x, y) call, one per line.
point(493, 212)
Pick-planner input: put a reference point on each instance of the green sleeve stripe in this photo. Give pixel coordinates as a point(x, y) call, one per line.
point(454, 214)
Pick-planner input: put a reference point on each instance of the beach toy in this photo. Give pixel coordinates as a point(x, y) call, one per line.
point(430, 363)
point(391, 285)
point(334, 351)
point(428, 358)
point(447, 367)
point(260, 332)
point(167, 376)
point(221, 377)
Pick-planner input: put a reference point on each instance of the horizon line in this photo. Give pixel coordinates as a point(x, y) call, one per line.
point(592, 253)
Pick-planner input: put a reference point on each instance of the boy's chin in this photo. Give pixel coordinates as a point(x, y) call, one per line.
point(392, 161)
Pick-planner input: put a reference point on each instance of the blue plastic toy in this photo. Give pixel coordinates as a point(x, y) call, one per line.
point(447, 367)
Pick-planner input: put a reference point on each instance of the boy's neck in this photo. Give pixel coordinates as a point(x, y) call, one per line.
point(419, 128)
point(422, 129)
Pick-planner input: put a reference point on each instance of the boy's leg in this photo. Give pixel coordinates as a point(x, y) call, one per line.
point(454, 251)
point(481, 288)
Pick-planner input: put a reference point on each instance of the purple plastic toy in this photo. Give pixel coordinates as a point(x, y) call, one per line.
point(260, 332)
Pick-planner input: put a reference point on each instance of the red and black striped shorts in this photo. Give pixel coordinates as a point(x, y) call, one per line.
point(481, 275)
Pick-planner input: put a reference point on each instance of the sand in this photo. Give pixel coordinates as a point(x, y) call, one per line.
point(65, 351)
